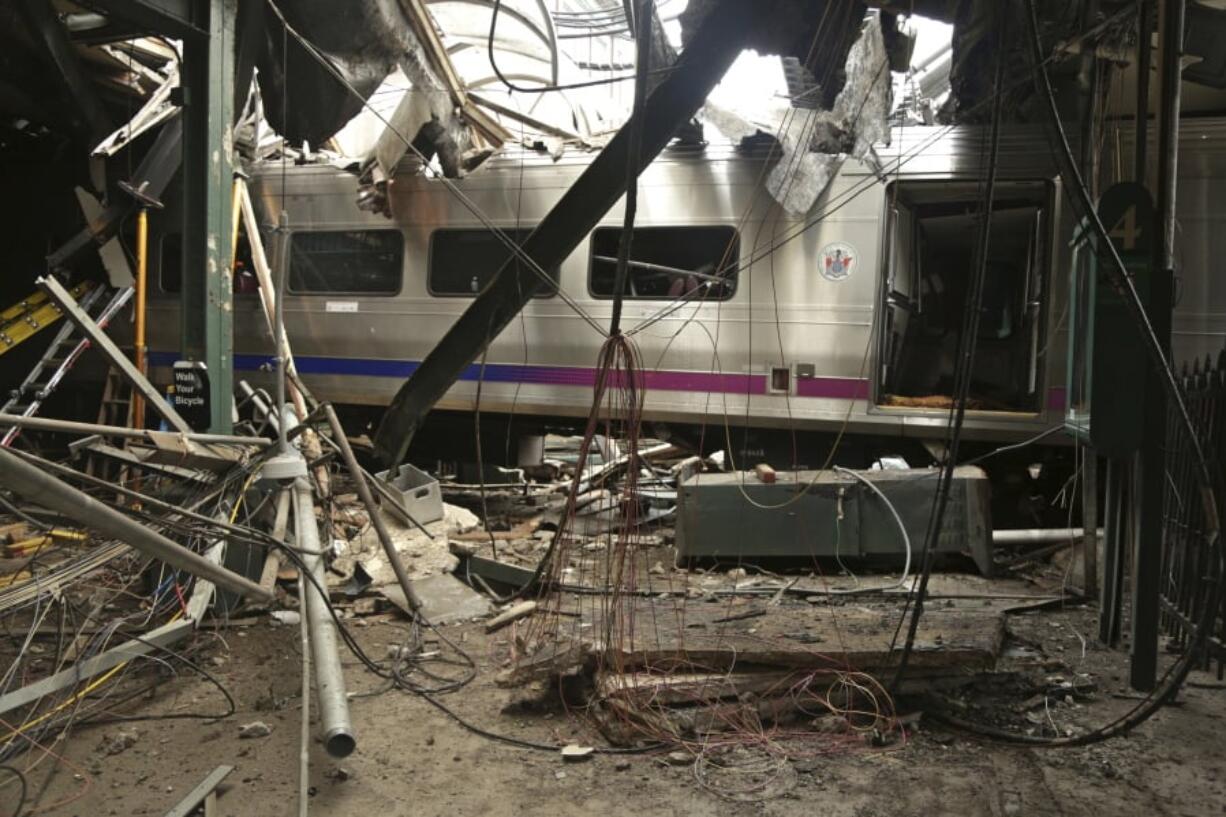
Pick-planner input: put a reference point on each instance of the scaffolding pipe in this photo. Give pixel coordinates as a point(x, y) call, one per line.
point(37, 486)
point(329, 678)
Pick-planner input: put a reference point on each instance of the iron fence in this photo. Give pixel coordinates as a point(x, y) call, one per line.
point(1188, 569)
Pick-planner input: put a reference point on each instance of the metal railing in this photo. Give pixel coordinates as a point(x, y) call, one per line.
point(1188, 569)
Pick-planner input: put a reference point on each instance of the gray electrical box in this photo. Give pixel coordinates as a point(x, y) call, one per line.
point(737, 517)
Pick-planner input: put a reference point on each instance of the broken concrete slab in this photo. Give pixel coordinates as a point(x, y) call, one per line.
point(422, 555)
point(444, 599)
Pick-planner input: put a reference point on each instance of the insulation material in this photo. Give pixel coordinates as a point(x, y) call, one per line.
point(816, 144)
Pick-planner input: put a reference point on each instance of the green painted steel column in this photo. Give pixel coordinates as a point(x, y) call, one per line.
point(207, 302)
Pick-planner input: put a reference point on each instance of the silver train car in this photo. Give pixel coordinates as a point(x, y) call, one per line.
point(846, 318)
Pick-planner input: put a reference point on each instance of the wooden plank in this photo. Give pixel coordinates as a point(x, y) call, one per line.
point(272, 561)
point(796, 637)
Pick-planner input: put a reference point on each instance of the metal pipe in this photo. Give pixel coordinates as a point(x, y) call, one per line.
point(73, 427)
point(304, 742)
point(329, 677)
point(372, 510)
point(1038, 536)
point(1171, 82)
point(283, 250)
point(39, 487)
point(142, 272)
point(1145, 47)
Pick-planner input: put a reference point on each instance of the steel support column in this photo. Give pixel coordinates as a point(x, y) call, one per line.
point(206, 301)
point(713, 48)
point(1147, 553)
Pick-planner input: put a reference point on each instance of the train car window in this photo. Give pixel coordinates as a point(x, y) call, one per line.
point(668, 262)
point(366, 262)
point(463, 262)
point(170, 266)
point(931, 236)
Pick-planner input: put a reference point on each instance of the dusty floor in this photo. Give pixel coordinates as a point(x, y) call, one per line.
point(412, 759)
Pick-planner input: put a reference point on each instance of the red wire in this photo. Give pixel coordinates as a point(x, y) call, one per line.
point(182, 601)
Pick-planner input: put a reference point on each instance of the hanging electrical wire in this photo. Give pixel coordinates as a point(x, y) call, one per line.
point(964, 370)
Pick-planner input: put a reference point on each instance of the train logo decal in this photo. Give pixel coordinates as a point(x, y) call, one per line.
point(837, 259)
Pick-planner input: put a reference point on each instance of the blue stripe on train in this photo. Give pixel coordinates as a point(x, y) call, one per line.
point(354, 367)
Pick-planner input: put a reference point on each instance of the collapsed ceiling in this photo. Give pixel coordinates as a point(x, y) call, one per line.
point(387, 73)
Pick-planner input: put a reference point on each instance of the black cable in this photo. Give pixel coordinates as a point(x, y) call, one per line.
point(529, 744)
point(21, 778)
point(964, 373)
point(642, 12)
point(192, 665)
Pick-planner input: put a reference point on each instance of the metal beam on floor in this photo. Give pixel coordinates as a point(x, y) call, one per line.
point(713, 48)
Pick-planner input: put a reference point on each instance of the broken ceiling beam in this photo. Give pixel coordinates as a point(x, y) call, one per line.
point(169, 17)
point(36, 485)
point(157, 109)
point(707, 57)
point(422, 24)
point(42, 18)
point(519, 116)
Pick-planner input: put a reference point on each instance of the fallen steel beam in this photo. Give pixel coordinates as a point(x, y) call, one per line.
point(713, 48)
point(102, 342)
point(31, 482)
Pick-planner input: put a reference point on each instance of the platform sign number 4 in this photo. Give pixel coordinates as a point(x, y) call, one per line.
point(1126, 207)
point(1124, 232)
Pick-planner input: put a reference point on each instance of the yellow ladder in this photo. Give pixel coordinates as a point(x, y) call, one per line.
point(31, 315)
